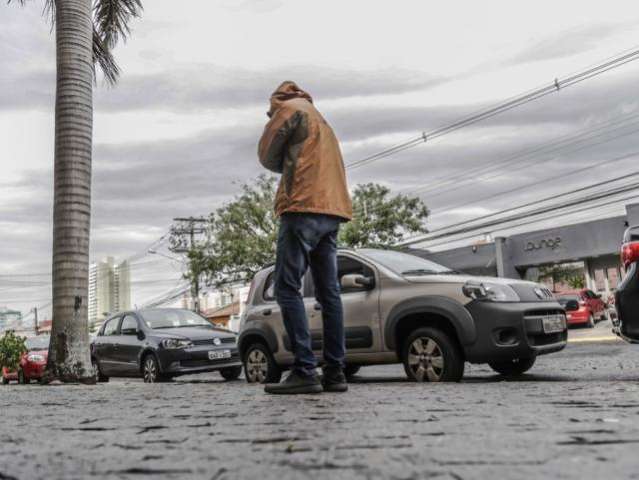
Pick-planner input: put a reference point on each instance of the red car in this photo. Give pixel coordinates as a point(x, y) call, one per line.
point(32, 363)
point(591, 307)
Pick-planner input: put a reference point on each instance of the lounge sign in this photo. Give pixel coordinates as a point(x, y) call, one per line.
point(547, 243)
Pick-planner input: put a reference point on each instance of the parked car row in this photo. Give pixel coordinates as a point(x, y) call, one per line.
point(592, 308)
point(398, 308)
point(32, 363)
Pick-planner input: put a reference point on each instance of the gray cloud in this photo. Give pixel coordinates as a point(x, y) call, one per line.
point(569, 43)
point(208, 87)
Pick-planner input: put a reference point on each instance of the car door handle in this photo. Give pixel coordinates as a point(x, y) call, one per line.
point(317, 306)
point(267, 312)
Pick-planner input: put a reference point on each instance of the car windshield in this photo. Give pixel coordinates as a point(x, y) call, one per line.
point(38, 343)
point(564, 299)
point(406, 264)
point(173, 318)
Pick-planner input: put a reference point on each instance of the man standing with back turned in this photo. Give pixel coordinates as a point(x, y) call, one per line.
point(312, 200)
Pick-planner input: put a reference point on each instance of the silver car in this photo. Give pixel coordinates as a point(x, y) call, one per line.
point(403, 308)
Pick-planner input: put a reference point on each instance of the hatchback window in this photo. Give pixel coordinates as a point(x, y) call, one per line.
point(404, 263)
point(129, 325)
point(111, 327)
point(173, 318)
point(350, 266)
point(38, 343)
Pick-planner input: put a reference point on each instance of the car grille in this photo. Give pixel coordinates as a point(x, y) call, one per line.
point(530, 293)
point(209, 341)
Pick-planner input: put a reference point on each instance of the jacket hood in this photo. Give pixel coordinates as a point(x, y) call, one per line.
point(286, 91)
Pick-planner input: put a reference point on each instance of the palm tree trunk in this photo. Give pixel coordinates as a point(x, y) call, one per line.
point(69, 357)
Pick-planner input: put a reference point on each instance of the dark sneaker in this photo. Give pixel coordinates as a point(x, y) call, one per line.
point(334, 380)
point(295, 384)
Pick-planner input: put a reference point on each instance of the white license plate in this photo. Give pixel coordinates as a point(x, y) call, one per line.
point(219, 354)
point(554, 324)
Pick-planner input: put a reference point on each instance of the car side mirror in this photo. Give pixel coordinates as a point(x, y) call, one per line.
point(571, 305)
point(355, 280)
point(140, 335)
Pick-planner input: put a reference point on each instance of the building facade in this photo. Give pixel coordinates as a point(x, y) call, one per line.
point(595, 245)
point(109, 289)
point(10, 319)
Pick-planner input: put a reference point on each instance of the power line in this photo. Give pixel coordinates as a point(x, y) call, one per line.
point(550, 217)
point(588, 198)
point(553, 87)
point(563, 144)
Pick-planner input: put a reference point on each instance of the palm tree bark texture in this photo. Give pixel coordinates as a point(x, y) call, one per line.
point(69, 357)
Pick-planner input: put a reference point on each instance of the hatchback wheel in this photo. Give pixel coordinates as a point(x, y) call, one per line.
point(151, 369)
point(430, 355)
point(259, 365)
point(99, 376)
point(5, 381)
point(513, 368)
point(231, 373)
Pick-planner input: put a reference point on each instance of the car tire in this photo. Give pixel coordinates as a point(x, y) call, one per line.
point(513, 368)
point(231, 373)
point(260, 366)
point(5, 381)
point(151, 369)
point(99, 376)
point(22, 380)
point(591, 321)
point(430, 355)
point(351, 370)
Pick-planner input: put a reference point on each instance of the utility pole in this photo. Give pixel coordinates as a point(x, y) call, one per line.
point(190, 226)
point(35, 316)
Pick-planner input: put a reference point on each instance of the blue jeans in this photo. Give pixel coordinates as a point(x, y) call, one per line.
point(310, 240)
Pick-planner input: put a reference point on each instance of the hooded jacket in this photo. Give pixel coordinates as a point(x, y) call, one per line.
point(298, 143)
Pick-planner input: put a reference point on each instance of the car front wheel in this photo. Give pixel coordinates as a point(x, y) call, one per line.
point(5, 381)
point(430, 355)
point(151, 370)
point(259, 365)
point(231, 373)
point(99, 376)
point(513, 368)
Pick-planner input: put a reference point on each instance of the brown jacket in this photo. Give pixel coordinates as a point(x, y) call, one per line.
point(298, 143)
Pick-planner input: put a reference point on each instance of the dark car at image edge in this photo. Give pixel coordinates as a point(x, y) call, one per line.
point(161, 343)
point(626, 323)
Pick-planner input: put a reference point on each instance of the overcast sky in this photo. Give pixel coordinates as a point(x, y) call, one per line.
point(178, 134)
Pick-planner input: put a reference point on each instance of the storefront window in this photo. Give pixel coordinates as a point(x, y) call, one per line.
point(600, 280)
point(613, 278)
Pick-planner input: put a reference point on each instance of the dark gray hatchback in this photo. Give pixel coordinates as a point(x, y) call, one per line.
point(161, 343)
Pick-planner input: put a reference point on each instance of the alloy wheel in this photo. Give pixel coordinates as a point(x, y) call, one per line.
point(256, 366)
point(425, 359)
point(150, 370)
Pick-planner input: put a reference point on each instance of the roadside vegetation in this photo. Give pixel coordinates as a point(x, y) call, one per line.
point(241, 235)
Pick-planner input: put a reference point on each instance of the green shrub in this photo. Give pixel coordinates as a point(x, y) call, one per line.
point(11, 349)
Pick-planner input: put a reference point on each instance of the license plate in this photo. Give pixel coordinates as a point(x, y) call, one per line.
point(219, 354)
point(554, 323)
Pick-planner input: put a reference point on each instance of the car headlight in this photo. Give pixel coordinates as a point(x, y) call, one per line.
point(489, 291)
point(34, 357)
point(173, 343)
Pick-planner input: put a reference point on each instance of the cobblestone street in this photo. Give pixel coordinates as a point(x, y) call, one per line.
point(574, 416)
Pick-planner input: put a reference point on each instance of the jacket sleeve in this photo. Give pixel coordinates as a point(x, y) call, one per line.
point(277, 134)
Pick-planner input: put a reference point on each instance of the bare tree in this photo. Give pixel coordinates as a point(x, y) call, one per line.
point(86, 32)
